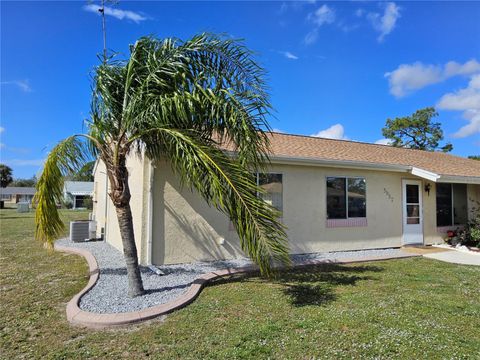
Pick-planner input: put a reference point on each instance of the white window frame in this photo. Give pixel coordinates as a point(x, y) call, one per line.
point(346, 196)
point(257, 180)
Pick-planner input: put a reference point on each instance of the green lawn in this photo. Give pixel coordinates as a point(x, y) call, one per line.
point(413, 308)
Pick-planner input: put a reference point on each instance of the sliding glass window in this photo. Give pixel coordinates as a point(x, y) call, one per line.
point(346, 198)
point(451, 204)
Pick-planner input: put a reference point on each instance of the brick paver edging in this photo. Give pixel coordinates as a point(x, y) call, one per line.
point(77, 316)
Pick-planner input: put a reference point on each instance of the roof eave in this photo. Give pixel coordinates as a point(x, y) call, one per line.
point(459, 179)
point(439, 178)
point(280, 159)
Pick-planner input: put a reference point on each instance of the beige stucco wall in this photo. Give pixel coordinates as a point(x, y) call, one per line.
point(473, 199)
point(430, 234)
point(186, 229)
point(108, 219)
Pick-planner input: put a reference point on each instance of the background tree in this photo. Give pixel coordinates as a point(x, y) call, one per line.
point(176, 101)
point(84, 174)
point(5, 175)
point(416, 131)
point(19, 182)
point(474, 157)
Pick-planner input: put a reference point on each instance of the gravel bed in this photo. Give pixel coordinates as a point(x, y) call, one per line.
point(109, 295)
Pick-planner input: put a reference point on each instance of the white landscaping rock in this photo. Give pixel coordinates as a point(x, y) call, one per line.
point(109, 295)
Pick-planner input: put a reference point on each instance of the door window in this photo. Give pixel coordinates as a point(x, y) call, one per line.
point(413, 204)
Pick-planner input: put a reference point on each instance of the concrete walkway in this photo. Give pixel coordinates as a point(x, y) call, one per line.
point(455, 257)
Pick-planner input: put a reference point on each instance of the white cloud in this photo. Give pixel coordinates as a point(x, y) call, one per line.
point(410, 77)
point(2, 129)
point(275, 130)
point(311, 37)
point(453, 68)
point(333, 132)
point(116, 13)
point(383, 142)
point(473, 126)
point(385, 23)
point(24, 162)
point(23, 85)
point(289, 55)
point(463, 99)
point(323, 15)
point(468, 101)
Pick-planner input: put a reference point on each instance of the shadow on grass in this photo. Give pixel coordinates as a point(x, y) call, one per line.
point(311, 285)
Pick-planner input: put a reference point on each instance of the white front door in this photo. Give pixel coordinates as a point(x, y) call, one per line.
point(412, 212)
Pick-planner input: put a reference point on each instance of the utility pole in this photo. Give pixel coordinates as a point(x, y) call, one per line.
point(102, 11)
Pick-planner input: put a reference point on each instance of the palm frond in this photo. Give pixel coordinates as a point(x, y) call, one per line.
point(178, 100)
point(228, 186)
point(66, 158)
point(210, 84)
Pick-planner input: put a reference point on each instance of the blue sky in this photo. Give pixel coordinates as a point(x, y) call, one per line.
point(336, 69)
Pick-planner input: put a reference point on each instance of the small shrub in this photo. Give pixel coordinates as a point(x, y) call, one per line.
point(67, 204)
point(470, 235)
point(88, 203)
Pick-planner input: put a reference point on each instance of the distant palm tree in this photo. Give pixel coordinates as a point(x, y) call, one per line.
point(176, 100)
point(5, 175)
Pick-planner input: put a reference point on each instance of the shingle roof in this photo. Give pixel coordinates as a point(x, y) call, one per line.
point(79, 187)
point(314, 148)
point(15, 190)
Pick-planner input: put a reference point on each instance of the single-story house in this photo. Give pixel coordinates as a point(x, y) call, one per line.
point(76, 192)
point(14, 194)
point(334, 195)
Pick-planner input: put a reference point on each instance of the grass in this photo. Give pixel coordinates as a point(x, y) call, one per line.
point(413, 308)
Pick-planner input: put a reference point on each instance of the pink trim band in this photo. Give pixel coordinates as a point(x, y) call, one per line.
point(352, 222)
point(444, 229)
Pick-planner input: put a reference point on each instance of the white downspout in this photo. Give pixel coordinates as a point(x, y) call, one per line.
point(150, 215)
point(105, 207)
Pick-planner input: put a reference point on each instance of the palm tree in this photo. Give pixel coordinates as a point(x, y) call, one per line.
point(5, 175)
point(177, 101)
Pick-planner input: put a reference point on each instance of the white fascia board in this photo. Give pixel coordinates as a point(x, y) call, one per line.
point(425, 174)
point(348, 164)
point(459, 179)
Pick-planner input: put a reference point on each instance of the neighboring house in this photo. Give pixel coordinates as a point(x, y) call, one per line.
point(334, 195)
point(14, 195)
point(76, 192)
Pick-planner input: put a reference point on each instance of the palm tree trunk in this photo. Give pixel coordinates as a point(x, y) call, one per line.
point(120, 196)
point(125, 222)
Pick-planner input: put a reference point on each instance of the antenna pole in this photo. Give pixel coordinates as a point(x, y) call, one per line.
point(102, 11)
